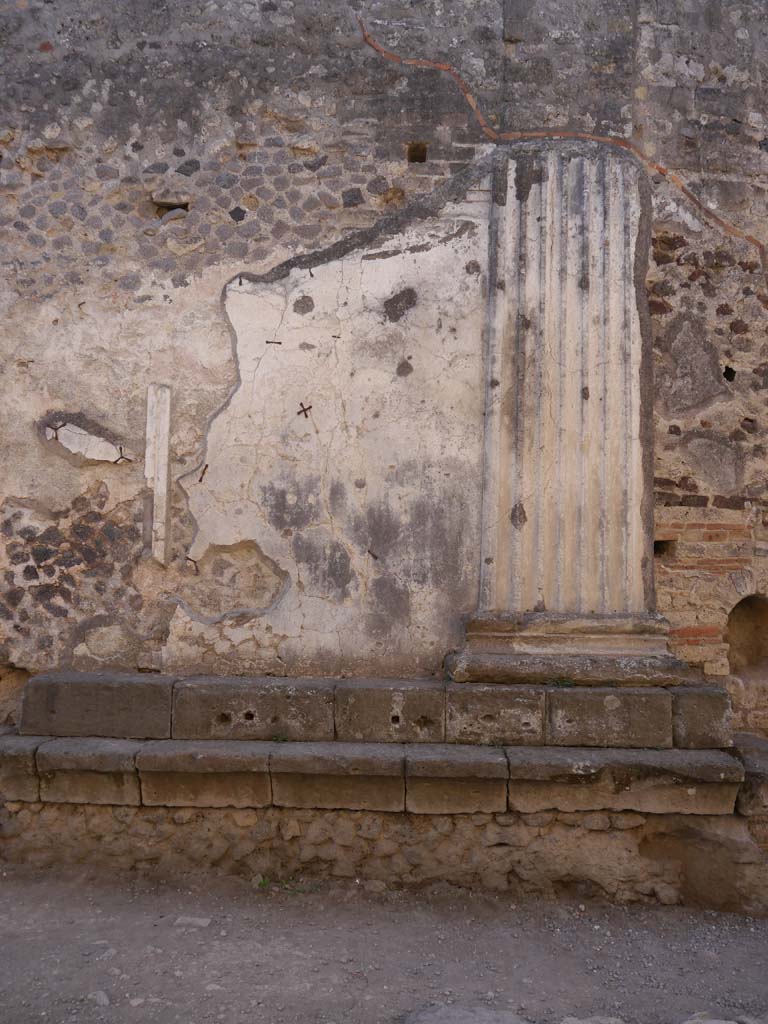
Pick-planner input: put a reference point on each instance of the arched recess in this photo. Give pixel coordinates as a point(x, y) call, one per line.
point(747, 636)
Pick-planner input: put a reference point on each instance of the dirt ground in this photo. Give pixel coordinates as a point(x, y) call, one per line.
point(86, 948)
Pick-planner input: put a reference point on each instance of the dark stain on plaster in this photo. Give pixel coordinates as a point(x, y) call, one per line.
point(518, 516)
point(398, 304)
point(303, 305)
point(292, 506)
point(337, 494)
point(327, 563)
point(437, 535)
point(391, 606)
point(380, 530)
point(404, 368)
point(529, 171)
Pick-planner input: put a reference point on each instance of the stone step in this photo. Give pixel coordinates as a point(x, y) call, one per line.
point(753, 753)
point(148, 706)
point(418, 778)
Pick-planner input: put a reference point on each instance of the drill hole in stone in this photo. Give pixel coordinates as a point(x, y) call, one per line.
point(224, 718)
point(417, 152)
point(248, 716)
point(729, 373)
point(395, 719)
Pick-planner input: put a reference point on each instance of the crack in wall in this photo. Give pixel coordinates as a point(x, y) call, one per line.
point(607, 140)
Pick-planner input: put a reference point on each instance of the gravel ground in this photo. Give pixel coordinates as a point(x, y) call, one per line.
point(85, 947)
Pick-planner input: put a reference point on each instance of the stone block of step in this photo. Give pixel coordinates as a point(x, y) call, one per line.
point(580, 669)
point(454, 779)
point(390, 711)
point(494, 714)
point(253, 709)
point(18, 769)
point(648, 781)
point(351, 776)
point(128, 706)
point(753, 795)
point(88, 770)
point(701, 717)
point(609, 717)
point(205, 773)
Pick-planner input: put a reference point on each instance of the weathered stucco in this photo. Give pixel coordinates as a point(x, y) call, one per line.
point(349, 456)
point(152, 158)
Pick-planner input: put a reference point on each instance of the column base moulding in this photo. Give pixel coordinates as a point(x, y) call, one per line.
point(543, 648)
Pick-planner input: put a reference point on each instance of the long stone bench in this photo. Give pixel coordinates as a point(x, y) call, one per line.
point(147, 706)
point(417, 778)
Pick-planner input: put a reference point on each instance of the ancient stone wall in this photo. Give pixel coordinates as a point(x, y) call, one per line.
point(156, 156)
point(718, 863)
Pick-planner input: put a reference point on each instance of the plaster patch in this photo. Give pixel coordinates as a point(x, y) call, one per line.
point(321, 405)
point(88, 446)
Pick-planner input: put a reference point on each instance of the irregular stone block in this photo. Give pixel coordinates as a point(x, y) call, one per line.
point(609, 717)
point(351, 792)
point(88, 770)
point(89, 754)
point(649, 781)
point(451, 761)
point(98, 704)
point(206, 789)
point(75, 787)
point(390, 711)
point(495, 714)
point(18, 774)
point(483, 666)
point(753, 795)
point(455, 796)
point(648, 797)
point(205, 773)
point(561, 764)
point(338, 758)
point(354, 776)
point(453, 779)
point(204, 756)
point(701, 717)
point(255, 709)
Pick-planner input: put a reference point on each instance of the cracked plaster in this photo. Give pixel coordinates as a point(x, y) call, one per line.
point(368, 504)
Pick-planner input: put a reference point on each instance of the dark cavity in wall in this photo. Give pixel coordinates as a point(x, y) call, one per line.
point(747, 634)
point(664, 550)
point(164, 208)
point(417, 152)
point(398, 305)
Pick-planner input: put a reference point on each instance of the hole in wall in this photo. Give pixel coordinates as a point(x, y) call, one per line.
point(729, 373)
point(746, 634)
point(664, 549)
point(224, 718)
point(395, 719)
point(161, 209)
point(417, 152)
point(248, 716)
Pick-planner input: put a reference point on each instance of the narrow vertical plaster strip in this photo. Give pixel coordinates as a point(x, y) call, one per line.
point(156, 466)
